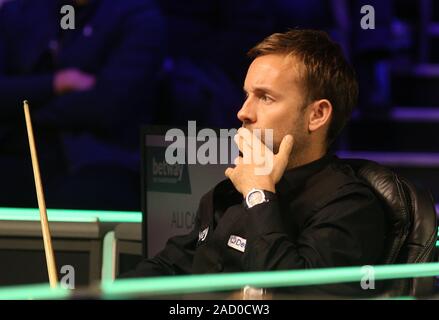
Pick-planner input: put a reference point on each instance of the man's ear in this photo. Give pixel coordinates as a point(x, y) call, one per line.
point(320, 114)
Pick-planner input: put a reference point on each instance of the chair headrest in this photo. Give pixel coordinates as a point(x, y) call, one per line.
point(423, 233)
point(412, 231)
point(390, 190)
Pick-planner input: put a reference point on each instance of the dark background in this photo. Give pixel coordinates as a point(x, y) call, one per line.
point(166, 62)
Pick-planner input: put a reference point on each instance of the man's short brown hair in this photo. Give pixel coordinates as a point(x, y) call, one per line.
point(327, 73)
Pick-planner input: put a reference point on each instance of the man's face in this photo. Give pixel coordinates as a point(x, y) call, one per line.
point(275, 99)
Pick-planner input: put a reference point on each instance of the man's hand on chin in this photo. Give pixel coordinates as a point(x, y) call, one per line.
point(258, 167)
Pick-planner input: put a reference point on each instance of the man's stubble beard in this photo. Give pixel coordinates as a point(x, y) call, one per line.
point(299, 144)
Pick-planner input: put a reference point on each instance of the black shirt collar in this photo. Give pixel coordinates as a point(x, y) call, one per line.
point(293, 179)
point(291, 182)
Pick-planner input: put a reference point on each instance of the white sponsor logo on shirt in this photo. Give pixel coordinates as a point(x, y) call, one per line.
point(203, 234)
point(237, 243)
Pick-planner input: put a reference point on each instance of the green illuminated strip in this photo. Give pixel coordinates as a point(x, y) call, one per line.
point(33, 292)
point(51, 217)
point(169, 285)
point(68, 215)
point(397, 298)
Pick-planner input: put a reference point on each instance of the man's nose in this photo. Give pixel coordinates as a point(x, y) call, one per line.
point(247, 112)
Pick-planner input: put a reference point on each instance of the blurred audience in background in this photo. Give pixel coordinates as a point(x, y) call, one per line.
point(89, 89)
point(206, 61)
point(136, 62)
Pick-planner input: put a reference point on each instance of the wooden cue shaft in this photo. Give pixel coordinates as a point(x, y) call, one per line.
point(50, 257)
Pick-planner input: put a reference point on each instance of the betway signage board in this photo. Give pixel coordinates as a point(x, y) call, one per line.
point(172, 189)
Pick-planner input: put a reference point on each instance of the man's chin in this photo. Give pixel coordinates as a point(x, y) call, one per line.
point(274, 146)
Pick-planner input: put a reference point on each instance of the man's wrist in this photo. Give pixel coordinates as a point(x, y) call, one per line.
point(266, 187)
point(258, 196)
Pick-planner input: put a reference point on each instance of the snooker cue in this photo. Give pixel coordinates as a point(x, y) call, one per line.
point(50, 257)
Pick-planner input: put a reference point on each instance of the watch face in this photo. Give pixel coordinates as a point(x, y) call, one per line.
point(255, 197)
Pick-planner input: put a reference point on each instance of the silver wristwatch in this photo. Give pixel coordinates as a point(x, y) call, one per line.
point(257, 196)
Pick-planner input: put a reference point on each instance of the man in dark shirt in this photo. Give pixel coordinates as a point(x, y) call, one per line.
point(310, 210)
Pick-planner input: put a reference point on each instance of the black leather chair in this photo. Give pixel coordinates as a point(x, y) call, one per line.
point(412, 222)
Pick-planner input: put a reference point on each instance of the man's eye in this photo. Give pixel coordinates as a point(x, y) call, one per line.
point(266, 99)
